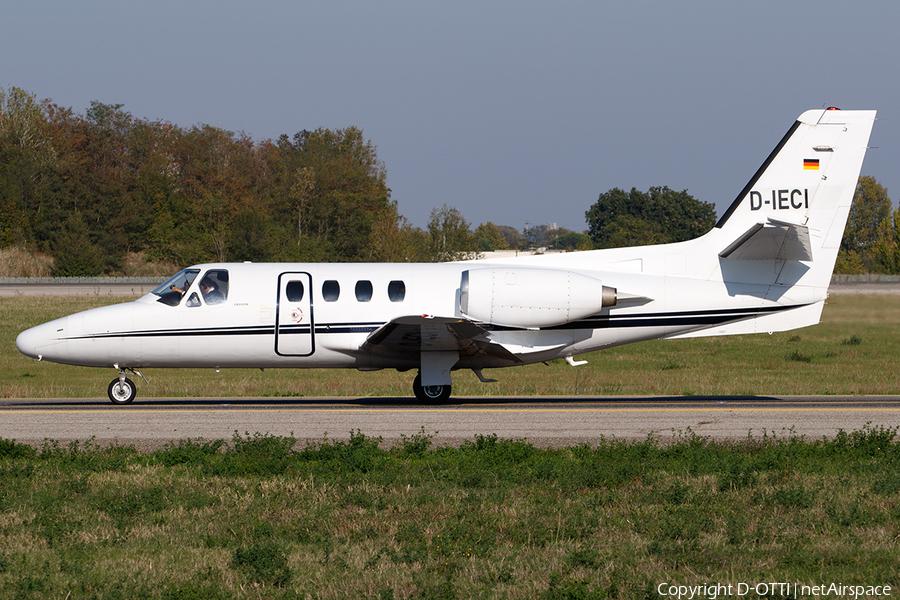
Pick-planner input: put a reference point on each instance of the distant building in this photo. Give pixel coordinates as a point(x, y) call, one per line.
point(514, 253)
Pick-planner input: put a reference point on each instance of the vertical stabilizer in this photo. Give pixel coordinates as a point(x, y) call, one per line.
point(794, 209)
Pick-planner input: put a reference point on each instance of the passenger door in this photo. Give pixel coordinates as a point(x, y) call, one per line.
point(294, 322)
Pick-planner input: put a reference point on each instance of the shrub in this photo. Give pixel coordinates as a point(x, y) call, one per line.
point(264, 562)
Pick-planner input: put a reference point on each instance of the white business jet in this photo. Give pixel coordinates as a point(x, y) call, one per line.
point(764, 267)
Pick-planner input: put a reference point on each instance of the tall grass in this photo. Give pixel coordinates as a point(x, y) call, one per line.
point(257, 517)
point(16, 261)
point(853, 351)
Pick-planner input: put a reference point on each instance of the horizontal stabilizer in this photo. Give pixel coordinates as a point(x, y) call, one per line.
point(772, 240)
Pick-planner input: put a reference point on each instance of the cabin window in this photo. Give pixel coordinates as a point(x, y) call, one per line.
point(363, 291)
point(331, 290)
point(172, 291)
point(396, 291)
point(294, 291)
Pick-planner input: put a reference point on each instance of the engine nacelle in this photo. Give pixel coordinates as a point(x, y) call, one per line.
point(530, 298)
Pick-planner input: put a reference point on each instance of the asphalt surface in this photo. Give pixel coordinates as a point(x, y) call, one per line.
point(546, 422)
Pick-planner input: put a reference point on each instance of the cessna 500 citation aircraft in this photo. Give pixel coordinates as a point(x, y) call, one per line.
point(764, 267)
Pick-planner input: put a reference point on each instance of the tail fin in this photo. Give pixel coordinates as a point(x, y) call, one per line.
point(795, 208)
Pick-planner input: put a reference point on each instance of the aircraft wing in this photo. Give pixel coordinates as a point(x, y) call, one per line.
point(415, 334)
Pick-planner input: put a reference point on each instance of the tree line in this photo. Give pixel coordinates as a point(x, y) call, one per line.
point(91, 188)
point(871, 242)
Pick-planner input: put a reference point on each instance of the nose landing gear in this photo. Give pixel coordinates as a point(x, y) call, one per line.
point(122, 390)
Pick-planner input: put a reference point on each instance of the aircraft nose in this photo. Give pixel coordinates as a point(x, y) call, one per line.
point(31, 342)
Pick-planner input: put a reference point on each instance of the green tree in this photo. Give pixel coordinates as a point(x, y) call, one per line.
point(573, 241)
point(871, 207)
point(394, 239)
point(26, 157)
point(659, 216)
point(74, 253)
point(334, 186)
point(93, 175)
point(250, 236)
point(192, 195)
point(22, 123)
point(450, 236)
point(514, 238)
point(488, 238)
point(887, 244)
point(302, 195)
point(542, 235)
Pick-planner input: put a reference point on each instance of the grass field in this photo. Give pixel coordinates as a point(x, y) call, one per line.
point(253, 518)
point(854, 351)
point(259, 517)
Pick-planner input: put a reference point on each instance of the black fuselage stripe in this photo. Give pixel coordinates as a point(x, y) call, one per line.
point(669, 319)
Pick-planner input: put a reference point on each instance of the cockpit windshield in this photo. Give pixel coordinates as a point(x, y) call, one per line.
point(174, 288)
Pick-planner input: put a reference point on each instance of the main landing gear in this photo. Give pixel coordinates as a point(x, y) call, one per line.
point(430, 394)
point(122, 390)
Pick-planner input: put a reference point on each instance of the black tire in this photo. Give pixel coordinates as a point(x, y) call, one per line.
point(432, 394)
point(121, 394)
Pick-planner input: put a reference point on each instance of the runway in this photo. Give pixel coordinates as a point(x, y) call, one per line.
point(545, 422)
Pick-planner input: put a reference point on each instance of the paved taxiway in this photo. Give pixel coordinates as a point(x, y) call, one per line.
point(151, 423)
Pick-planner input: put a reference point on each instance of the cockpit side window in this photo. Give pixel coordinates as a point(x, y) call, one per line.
point(214, 286)
point(174, 288)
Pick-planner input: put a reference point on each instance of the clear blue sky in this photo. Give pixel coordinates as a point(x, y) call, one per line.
point(509, 111)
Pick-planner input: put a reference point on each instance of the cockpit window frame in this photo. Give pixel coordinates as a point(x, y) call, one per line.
point(183, 280)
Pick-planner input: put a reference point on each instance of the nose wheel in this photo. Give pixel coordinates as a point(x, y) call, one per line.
point(121, 390)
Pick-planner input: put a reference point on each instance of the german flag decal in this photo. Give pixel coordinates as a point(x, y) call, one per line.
point(811, 164)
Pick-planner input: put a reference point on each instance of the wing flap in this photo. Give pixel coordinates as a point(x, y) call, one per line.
point(411, 335)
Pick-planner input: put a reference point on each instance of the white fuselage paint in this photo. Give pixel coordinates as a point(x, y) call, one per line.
point(242, 332)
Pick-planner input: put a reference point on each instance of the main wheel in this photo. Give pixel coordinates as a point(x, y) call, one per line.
point(430, 394)
point(121, 393)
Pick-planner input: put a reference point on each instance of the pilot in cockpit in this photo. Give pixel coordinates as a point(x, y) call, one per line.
point(211, 293)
